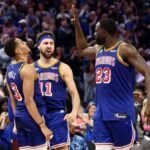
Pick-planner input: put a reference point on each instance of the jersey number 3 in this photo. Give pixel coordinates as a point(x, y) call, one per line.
point(17, 95)
point(47, 91)
point(103, 75)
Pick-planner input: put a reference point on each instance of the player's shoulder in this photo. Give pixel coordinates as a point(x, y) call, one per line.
point(28, 69)
point(64, 69)
point(28, 66)
point(125, 45)
point(97, 47)
point(127, 49)
point(32, 65)
point(64, 66)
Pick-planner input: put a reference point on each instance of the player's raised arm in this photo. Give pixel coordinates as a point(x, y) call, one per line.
point(130, 53)
point(89, 52)
point(68, 78)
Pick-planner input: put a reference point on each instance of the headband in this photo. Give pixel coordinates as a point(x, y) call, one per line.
point(45, 37)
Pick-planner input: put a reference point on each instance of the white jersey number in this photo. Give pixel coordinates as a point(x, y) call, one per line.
point(103, 75)
point(48, 91)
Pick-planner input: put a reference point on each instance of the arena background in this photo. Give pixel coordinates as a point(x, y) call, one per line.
point(26, 18)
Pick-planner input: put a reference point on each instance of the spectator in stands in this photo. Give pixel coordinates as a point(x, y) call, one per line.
point(5, 127)
point(4, 59)
point(89, 82)
point(9, 27)
point(77, 142)
point(88, 119)
point(132, 18)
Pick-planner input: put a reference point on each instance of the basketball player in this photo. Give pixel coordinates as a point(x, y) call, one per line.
point(55, 76)
point(115, 77)
point(26, 98)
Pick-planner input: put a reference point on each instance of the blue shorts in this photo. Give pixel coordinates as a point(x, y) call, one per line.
point(59, 127)
point(28, 133)
point(118, 134)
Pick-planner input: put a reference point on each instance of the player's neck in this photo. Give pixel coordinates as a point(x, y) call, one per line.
point(110, 42)
point(44, 61)
point(20, 59)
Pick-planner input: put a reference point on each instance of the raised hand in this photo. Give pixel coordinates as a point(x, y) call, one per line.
point(74, 11)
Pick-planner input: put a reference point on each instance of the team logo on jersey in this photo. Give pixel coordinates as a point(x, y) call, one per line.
point(108, 60)
point(11, 74)
point(48, 76)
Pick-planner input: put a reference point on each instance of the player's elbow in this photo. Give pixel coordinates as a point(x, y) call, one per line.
point(81, 48)
point(28, 101)
point(74, 95)
point(81, 53)
point(147, 72)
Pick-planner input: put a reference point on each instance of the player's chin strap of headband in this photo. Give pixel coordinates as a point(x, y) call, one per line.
point(44, 37)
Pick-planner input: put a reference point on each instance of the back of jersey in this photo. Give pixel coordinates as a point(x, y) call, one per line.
point(16, 86)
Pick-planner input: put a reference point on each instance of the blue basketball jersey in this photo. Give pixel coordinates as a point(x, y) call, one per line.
point(15, 83)
point(53, 87)
point(115, 81)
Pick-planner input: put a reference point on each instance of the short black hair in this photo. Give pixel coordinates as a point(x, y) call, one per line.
point(10, 47)
point(40, 35)
point(109, 25)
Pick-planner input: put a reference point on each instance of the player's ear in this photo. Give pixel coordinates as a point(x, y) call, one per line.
point(17, 51)
point(39, 48)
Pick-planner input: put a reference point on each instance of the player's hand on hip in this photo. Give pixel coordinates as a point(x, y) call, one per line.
point(47, 132)
point(70, 117)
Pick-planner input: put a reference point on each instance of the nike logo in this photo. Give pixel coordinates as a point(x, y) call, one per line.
point(54, 67)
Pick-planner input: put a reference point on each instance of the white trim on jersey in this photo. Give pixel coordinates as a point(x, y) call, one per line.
point(128, 146)
point(24, 148)
point(103, 147)
point(63, 144)
point(39, 147)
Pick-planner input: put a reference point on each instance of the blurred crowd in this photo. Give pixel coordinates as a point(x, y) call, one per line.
point(26, 18)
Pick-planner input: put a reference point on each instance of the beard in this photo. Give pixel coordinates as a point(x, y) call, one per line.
point(47, 55)
point(100, 40)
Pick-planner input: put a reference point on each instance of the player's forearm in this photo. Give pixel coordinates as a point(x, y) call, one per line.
point(80, 38)
point(147, 83)
point(33, 111)
point(75, 102)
